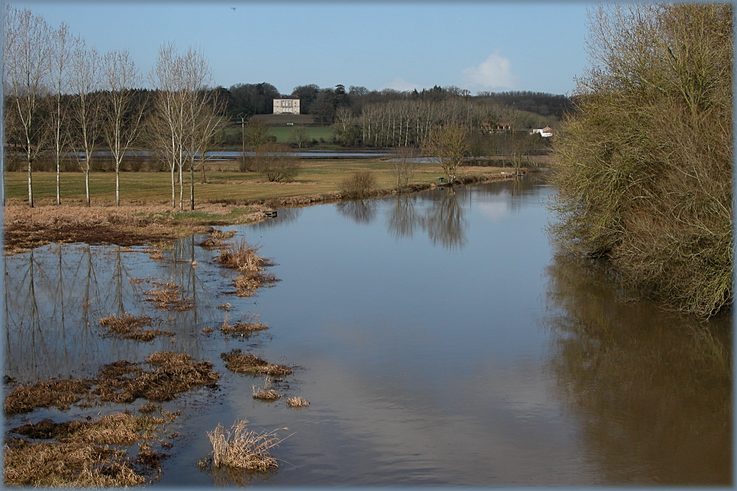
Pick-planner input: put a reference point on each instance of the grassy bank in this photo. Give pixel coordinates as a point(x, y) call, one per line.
point(229, 197)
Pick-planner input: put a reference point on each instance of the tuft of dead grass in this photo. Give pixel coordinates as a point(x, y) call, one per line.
point(82, 455)
point(297, 402)
point(216, 238)
point(128, 326)
point(242, 448)
point(239, 362)
point(242, 328)
point(265, 393)
point(168, 296)
point(250, 266)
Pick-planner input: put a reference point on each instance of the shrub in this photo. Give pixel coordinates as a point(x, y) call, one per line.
point(358, 184)
point(272, 162)
point(645, 165)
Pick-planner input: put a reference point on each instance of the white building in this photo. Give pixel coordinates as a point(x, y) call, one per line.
point(286, 106)
point(546, 132)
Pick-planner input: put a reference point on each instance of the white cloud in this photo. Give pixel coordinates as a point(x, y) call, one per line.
point(401, 84)
point(493, 73)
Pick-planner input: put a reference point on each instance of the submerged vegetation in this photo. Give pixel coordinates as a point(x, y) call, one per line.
point(122, 381)
point(239, 362)
point(645, 165)
point(129, 326)
point(168, 296)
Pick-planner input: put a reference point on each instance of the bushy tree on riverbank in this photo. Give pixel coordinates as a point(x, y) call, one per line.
point(645, 170)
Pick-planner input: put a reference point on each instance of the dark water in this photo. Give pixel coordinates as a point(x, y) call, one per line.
point(438, 337)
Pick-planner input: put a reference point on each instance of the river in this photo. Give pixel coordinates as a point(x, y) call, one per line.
point(440, 338)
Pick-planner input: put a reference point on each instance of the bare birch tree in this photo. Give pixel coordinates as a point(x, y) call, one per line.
point(120, 126)
point(61, 57)
point(27, 67)
point(85, 81)
point(208, 121)
point(180, 80)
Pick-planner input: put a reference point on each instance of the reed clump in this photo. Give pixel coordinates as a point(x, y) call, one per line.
point(242, 448)
point(168, 296)
point(216, 238)
point(129, 326)
point(297, 402)
point(242, 328)
point(250, 266)
point(265, 393)
point(239, 362)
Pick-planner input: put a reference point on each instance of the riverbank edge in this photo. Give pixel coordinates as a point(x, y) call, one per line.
point(160, 225)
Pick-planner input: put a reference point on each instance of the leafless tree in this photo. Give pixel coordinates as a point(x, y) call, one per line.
point(85, 81)
point(448, 144)
point(120, 126)
point(180, 80)
point(61, 55)
point(27, 68)
point(207, 121)
point(404, 166)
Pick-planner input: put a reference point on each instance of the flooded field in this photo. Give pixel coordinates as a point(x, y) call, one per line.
point(438, 337)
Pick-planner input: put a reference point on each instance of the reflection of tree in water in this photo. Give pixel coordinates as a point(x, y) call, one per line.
point(650, 390)
point(403, 217)
point(55, 295)
point(283, 216)
point(358, 210)
point(444, 221)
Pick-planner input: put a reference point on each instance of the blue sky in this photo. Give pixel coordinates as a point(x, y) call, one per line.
point(478, 46)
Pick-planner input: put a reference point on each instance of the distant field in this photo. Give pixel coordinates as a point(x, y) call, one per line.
point(315, 177)
point(286, 134)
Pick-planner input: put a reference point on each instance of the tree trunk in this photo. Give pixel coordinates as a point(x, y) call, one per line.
point(173, 196)
point(30, 184)
point(117, 183)
point(87, 185)
point(191, 186)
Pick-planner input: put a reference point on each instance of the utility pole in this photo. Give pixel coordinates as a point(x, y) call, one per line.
point(243, 140)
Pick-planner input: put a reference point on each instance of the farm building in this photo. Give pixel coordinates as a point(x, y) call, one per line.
point(286, 106)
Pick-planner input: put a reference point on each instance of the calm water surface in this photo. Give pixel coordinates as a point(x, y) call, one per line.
point(438, 337)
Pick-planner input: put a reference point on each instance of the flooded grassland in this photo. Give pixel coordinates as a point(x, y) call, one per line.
point(432, 338)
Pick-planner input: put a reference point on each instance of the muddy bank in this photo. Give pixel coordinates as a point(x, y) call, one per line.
point(26, 228)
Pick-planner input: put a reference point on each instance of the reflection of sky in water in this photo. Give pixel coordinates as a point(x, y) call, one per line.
point(424, 331)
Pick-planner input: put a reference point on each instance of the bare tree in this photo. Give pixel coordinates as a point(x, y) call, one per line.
point(120, 126)
point(85, 81)
point(208, 121)
point(179, 105)
point(403, 166)
point(27, 67)
point(62, 52)
point(449, 145)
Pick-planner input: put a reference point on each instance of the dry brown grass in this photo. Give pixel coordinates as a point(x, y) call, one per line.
point(171, 374)
point(168, 296)
point(250, 266)
point(58, 393)
point(240, 362)
point(265, 393)
point(242, 328)
point(126, 225)
point(128, 326)
point(207, 330)
point(242, 448)
point(216, 238)
point(81, 456)
point(297, 402)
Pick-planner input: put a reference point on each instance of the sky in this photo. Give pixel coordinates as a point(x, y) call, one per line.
point(476, 46)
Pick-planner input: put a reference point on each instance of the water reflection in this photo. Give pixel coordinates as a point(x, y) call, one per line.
point(360, 211)
point(651, 390)
point(283, 216)
point(55, 296)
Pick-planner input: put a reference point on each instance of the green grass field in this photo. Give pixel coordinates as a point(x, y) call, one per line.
point(315, 177)
point(286, 134)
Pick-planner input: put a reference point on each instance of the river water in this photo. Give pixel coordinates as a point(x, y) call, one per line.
point(438, 336)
